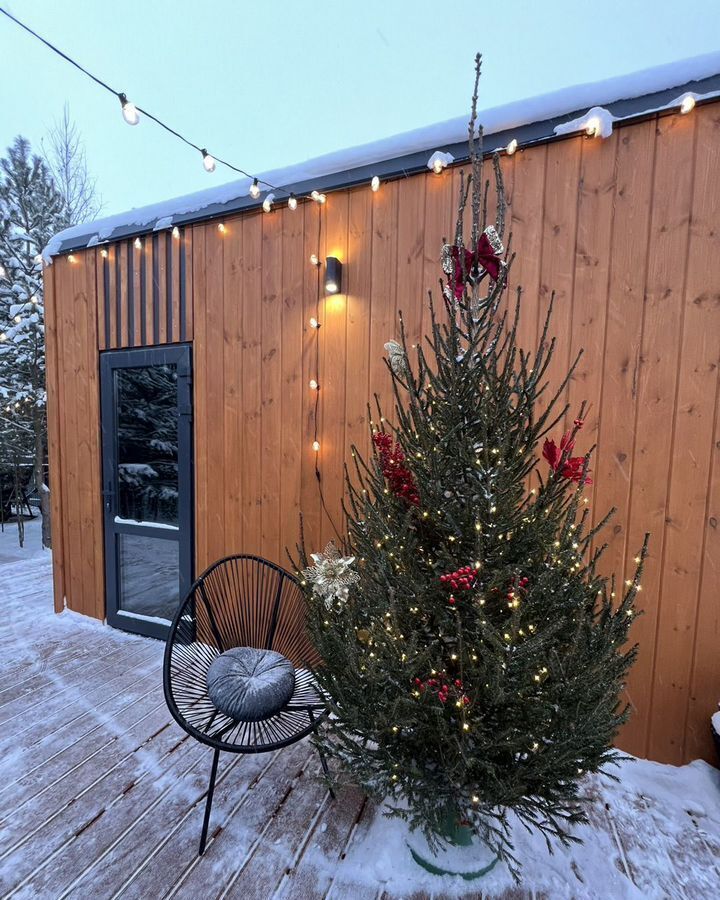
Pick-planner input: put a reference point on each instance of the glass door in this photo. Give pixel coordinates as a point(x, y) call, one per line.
point(147, 485)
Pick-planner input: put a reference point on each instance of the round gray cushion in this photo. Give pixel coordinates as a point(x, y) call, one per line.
point(249, 684)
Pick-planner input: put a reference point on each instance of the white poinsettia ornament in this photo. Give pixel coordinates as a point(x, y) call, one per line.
point(332, 575)
point(396, 357)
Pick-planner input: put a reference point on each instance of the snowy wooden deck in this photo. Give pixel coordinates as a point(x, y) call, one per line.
point(101, 793)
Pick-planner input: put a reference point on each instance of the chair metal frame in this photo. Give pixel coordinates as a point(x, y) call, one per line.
point(240, 601)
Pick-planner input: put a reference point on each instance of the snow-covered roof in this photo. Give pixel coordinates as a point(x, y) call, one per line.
point(532, 120)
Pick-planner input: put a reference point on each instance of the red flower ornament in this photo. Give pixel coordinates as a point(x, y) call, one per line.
point(572, 466)
point(392, 461)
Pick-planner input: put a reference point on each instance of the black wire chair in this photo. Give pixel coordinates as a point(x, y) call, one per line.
point(240, 601)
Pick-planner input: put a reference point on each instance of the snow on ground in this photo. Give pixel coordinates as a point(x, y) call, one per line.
point(10, 549)
point(654, 833)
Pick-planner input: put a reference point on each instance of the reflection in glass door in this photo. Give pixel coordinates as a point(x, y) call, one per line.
point(147, 485)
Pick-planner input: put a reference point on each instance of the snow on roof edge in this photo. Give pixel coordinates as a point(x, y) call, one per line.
point(495, 120)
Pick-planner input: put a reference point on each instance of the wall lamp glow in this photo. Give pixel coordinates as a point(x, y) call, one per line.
point(333, 275)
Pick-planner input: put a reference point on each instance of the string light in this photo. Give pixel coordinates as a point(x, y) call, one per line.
point(129, 110)
point(292, 202)
point(138, 243)
point(318, 197)
point(511, 147)
point(593, 126)
point(687, 103)
point(314, 261)
point(314, 386)
point(268, 202)
point(131, 114)
point(316, 446)
point(221, 228)
point(375, 183)
point(104, 253)
point(314, 322)
point(72, 258)
point(176, 232)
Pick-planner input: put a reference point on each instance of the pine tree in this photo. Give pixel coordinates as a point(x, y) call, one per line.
point(31, 211)
point(473, 654)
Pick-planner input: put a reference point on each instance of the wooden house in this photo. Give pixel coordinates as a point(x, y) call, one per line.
point(181, 351)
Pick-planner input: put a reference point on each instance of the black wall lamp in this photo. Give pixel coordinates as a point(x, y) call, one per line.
point(333, 275)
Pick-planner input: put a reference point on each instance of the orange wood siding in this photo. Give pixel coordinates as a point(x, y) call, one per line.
point(626, 231)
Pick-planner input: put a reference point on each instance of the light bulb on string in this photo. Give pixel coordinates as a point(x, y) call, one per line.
point(129, 110)
point(104, 253)
point(318, 197)
point(292, 202)
point(314, 261)
point(17, 320)
point(511, 147)
point(268, 202)
point(314, 386)
point(208, 161)
point(176, 232)
point(138, 243)
point(316, 446)
point(254, 189)
point(687, 103)
point(375, 183)
point(221, 228)
point(314, 322)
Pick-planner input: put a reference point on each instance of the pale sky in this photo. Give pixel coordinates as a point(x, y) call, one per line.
point(274, 83)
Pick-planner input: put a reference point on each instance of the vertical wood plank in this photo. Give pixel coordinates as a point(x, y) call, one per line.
point(137, 335)
point(54, 414)
point(613, 473)
point(252, 464)
point(333, 344)
point(233, 455)
point(691, 450)
point(200, 391)
point(294, 265)
point(159, 249)
point(313, 242)
point(216, 467)
point(359, 316)
point(667, 254)
point(100, 266)
point(410, 289)
point(383, 300)
point(271, 381)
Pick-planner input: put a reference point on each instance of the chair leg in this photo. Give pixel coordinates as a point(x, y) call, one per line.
point(208, 802)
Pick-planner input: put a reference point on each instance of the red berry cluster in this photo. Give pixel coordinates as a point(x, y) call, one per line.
point(399, 478)
point(460, 580)
point(441, 687)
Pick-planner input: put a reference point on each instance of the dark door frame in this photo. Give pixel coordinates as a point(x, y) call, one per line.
point(179, 355)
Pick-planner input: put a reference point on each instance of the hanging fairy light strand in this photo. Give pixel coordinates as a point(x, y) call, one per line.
point(132, 113)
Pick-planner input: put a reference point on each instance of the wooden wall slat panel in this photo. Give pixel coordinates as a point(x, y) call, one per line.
point(233, 449)
point(704, 283)
point(252, 461)
point(271, 382)
point(625, 230)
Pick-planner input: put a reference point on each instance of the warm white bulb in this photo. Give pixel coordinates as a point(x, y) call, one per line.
point(313, 385)
point(72, 258)
point(314, 261)
point(331, 287)
point(254, 189)
point(221, 228)
point(511, 147)
point(316, 446)
point(208, 162)
point(318, 197)
point(129, 111)
point(138, 243)
point(3, 336)
point(176, 232)
point(18, 320)
point(375, 183)
point(268, 202)
point(438, 166)
point(314, 322)
point(292, 202)
point(103, 253)
point(687, 104)
point(592, 128)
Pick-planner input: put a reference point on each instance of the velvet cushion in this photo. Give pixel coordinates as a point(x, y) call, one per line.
point(249, 685)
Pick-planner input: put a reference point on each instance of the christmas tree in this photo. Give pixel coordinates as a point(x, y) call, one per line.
point(473, 654)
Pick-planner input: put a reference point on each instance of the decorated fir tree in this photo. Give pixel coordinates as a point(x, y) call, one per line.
point(474, 657)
